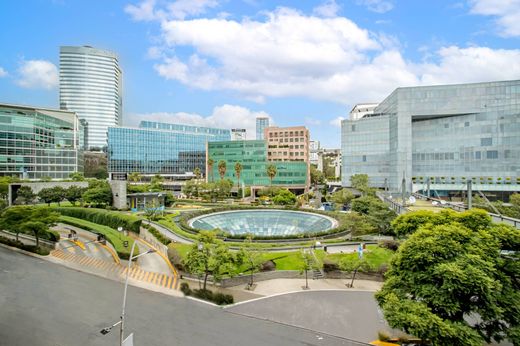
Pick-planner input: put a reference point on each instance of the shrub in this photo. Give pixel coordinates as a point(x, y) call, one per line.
point(175, 258)
point(329, 266)
point(223, 299)
point(103, 217)
point(158, 235)
point(389, 244)
point(18, 244)
point(185, 288)
point(268, 266)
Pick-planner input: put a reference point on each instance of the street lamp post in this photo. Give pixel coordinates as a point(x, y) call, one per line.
point(122, 320)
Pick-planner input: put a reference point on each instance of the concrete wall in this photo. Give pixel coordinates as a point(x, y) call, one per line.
point(146, 235)
point(118, 193)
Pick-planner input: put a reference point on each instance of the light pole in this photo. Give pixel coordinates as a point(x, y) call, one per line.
point(122, 321)
point(120, 230)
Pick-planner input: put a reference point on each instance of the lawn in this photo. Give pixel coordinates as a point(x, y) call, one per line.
point(375, 256)
point(113, 237)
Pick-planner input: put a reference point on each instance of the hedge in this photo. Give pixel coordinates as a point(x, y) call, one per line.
point(215, 297)
point(111, 235)
point(103, 217)
point(31, 248)
point(158, 235)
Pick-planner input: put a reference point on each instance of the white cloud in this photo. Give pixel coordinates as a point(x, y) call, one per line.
point(312, 122)
point(38, 74)
point(3, 72)
point(337, 121)
point(506, 12)
point(225, 116)
point(147, 10)
point(326, 59)
point(378, 6)
point(328, 9)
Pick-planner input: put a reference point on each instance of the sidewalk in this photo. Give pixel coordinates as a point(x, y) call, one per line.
point(280, 286)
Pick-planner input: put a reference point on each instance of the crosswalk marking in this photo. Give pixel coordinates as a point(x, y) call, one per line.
point(136, 272)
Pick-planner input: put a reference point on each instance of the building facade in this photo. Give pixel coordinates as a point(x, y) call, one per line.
point(172, 150)
point(38, 143)
point(91, 86)
point(238, 134)
point(440, 136)
point(314, 148)
point(329, 163)
point(261, 124)
point(252, 155)
point(362, 110)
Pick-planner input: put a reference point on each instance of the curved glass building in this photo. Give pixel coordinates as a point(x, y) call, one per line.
point(91, 85)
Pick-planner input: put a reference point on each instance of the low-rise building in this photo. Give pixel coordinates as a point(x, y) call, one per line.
point(39, 142)
point(329, 162)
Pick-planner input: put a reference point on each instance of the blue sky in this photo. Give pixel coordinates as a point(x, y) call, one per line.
point(223, 62)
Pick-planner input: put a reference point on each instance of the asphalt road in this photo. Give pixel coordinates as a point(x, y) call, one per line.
point(92, 249)
point(45, 304)
point(152, 262)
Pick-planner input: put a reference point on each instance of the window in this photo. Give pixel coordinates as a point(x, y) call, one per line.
point(466, 124)
point(446, 126)
point(486, 142)
point(492, 154)
point(364, 158)
point(477, 155)
point(353, 128)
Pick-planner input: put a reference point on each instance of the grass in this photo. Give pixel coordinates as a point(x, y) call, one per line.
point(112, 236)
point(375, 256)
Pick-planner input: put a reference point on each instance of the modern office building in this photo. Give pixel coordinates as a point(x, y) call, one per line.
point(91, 86)
point(238, 134)
point(314, 148)
point(439, 137)
point(171, 150)
point(252, 155)
point(262, 122)
point(39, 142)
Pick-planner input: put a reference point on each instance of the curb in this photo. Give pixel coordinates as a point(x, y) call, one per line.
point(24, 252)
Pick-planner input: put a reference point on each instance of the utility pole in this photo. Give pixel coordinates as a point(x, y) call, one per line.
point(470, 195)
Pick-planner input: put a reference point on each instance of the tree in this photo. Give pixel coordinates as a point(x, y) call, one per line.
point(353, 264)
point(238, 170)
point(28, 219)
point(47, 195)
point(197, 172)
point(514, 199)
point(271, 172)
point(37, 228)
point(306, 265)
point(342, 197)
point(223, 188)
point(74, 193)
point(210, 256)
point(156, 183)
point(169, 199)
point(76, 176)
point(376, 211)
point(360, 182)
point(134, 177)
point(284, 197)
point(253, 258)
point(26, 194)
point(453, 285)
point(152, 210)
point(98, 194)
point(222, 169)
point(211, 162)
point(317, 177)
point(12, 218)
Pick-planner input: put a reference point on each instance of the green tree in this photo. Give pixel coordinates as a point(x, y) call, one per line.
point(156, 183)
point(169, 200)
point(514, 199)
point(28, 219)
point(197, 172)
point(12, 218)
point(342, 197)
point(360, 182)
point(99, 193)
point(46, 179)
point(376, 211)
point(47, 195)
point(152, 210)
point(453, 285)
point(271, 172)
point(74, 194)
point(210, 256)
point(37, 228)
point(317, 177)
point(253, 257)
point(134, 177)
point(26, 194)
point(238, 171)
point(284, 197)
point(211, 162)
point(222, 169)
point(353, 264)
point(76, 176)
point(191, 189)
point(306, 265)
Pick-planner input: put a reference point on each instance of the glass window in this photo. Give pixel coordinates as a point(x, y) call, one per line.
point(486, 142)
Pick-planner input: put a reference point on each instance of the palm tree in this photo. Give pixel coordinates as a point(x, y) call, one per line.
point(222, 169)
point(197, 172)
point(211, 162)
point(271, 172)
point(238, 170)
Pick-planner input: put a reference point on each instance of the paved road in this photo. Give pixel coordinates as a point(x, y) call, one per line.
point(348, 314)
point(92, 249)
point(45, 304)
point(152, 262)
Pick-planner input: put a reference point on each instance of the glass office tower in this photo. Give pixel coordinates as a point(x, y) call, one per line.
point(441, 136)
point(160, 148)
point(39, 142)
point(253, 157)
point(91, 86)
point(261, 124)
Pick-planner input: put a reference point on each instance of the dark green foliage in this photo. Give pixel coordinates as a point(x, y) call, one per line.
point(389, 244)
point(217, 298)
point(329, 266)
point(175, 258)
point(452, 285)
point(169, 199)
point(185, 288)
point(76, 176)
point(74, 194)
point(158, 235)
point(98, 193)
point(284, 197)
point(103, 217)
point(25, 195)
point(377, 212)
point(50, 195)
point(18, 244)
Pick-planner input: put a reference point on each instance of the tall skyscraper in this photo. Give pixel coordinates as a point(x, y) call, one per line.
point(261, 124)
point(91, 86)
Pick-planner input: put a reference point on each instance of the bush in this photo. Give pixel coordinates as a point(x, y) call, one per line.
point(18, 244)
point(268, 266)
point(223, 299)
point(329, 266)
point(158, 235)
point(185, 288)
point(389, 244)
point(103, 217)
point(175, 258)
